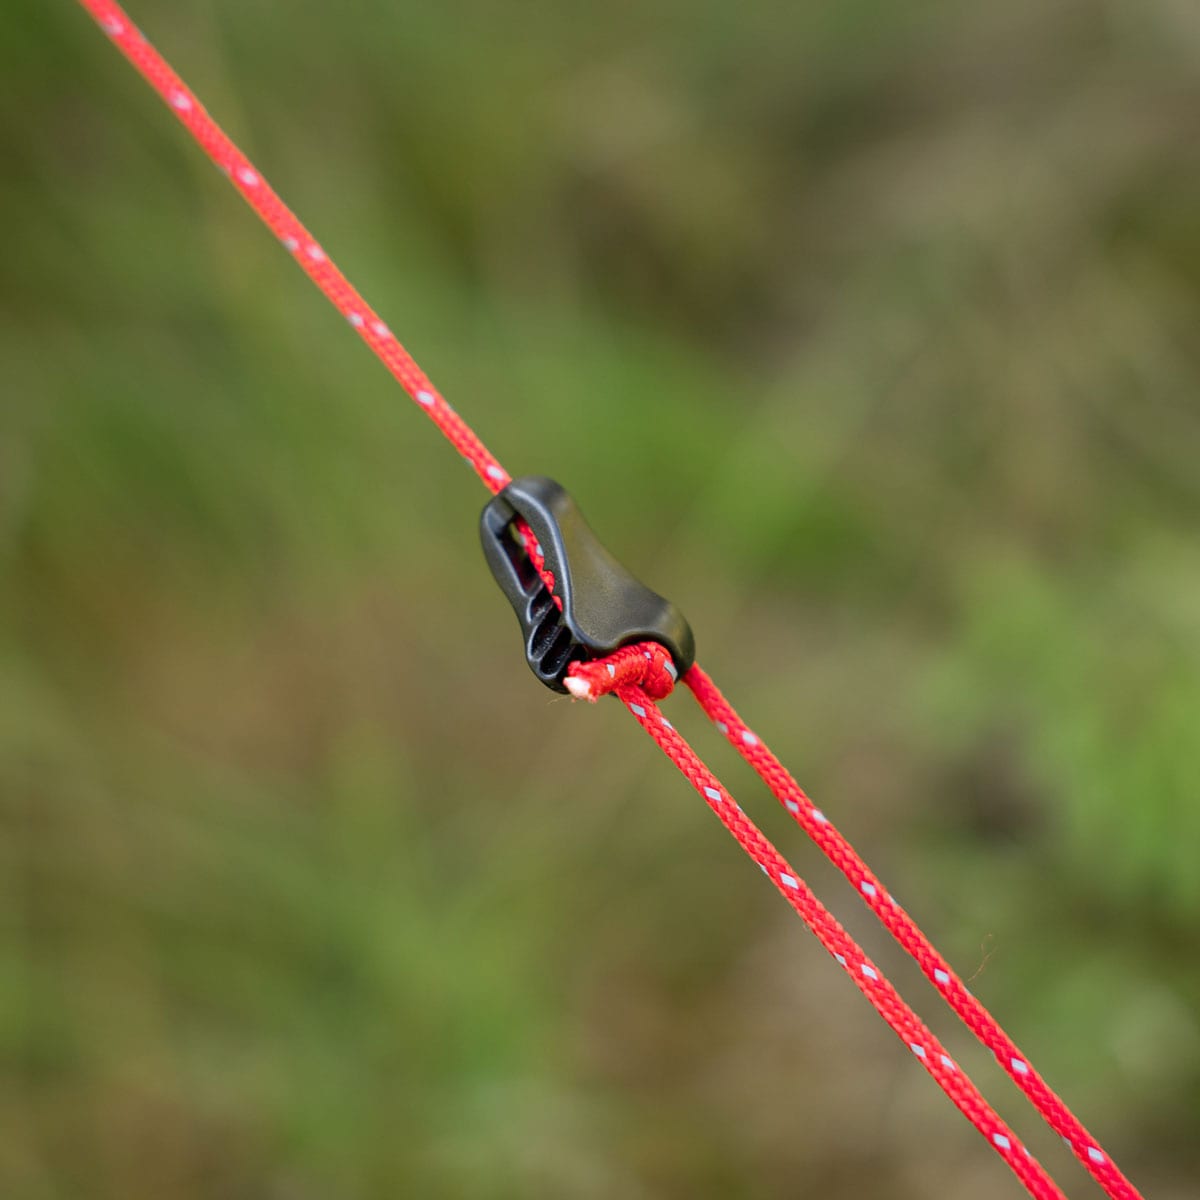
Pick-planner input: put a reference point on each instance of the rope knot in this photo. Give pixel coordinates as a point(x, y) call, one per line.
point(645, 664)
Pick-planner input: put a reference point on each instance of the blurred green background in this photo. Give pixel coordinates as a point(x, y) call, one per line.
point(866, 331)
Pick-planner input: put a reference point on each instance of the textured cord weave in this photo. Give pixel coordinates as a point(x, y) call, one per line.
point(866, 976)
point(296, 240)
point(641, 674)
point(642, 666)
point(905, 930)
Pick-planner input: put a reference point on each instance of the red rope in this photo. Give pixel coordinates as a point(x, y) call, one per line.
point(905, 930)
point(867, 977)
point(646, 665)
point(298, 242)
point(641, 672)
point(642, 666)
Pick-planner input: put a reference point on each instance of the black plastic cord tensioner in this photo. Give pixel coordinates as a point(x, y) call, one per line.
point(603, 606)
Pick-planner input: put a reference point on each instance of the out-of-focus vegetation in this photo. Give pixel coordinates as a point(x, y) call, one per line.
point(867, 331)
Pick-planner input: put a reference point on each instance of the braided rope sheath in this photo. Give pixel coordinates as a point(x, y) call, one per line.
point(644, 666)
point(867, 977)
point(640, 673)
point(296, 239)
point(905, 930)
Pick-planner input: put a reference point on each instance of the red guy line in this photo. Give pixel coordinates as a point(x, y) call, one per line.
point(295, 238)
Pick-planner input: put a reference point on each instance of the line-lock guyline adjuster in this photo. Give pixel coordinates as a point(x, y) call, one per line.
point(603, 607)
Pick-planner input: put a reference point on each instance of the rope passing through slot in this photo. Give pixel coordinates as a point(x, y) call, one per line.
point(573, 599)
point(645, 665)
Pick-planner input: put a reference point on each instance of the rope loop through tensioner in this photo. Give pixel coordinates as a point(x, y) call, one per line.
point(575, 602)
